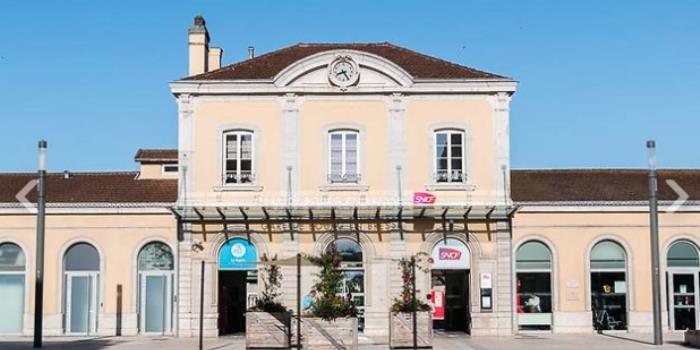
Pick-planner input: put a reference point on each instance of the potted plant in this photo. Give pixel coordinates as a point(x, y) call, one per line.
point(268, 323)
point(331, 322)
point(407, 306)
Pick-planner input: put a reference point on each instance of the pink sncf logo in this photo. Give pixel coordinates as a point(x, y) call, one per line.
point(423, 198)
point(450, 254)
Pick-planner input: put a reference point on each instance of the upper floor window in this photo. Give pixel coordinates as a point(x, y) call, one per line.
point(343, 156)
point(238, 157)
point(449, 156)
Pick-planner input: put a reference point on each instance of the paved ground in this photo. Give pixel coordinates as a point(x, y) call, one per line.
point(616, 341)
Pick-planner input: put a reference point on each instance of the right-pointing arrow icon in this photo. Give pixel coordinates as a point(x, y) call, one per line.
point(682, 196)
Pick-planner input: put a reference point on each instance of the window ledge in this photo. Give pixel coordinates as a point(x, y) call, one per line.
point(344, 187)
point(238, 188)
point(450, 187)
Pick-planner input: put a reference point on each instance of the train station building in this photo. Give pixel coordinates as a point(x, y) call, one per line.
point(372, 149)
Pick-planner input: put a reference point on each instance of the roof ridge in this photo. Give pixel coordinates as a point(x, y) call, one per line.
point(440, 60)
point(232, 66)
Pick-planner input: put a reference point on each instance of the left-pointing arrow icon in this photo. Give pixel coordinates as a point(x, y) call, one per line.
point(22, 195)
point(682, 196)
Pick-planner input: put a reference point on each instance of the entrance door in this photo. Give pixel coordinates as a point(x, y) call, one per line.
point(156, 302)
point(683, 290)
point(451, 300)
point(81, 303)
point(232, 301)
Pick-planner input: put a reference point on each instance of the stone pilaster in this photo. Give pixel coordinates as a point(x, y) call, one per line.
point(503, 281)
point(396, 135)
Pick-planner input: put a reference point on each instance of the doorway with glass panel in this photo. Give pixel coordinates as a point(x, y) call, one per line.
point(155, 289)
point(81, 289)
point(682, 285)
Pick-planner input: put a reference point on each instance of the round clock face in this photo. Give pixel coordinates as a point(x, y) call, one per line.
point(343, 72)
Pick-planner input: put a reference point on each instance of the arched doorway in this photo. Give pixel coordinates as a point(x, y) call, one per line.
point(533, 274)
point(608, 265)
point(12, 281)
point(682, 282)
point(238, 284)
point(449, 286)
point(81, 266)
point(155, 288)
point(353, 271)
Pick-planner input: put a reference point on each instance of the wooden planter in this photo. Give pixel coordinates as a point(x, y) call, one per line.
point(318, 334)
point(401, 330)
point(264, 330)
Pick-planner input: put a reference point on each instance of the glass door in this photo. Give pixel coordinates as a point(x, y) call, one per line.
point(156, 302)
point(81, 303)
point(12, 305)
point(682, 293)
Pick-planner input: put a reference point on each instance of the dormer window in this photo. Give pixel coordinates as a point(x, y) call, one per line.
point(238, 157)
point(343, 157)
point(449, 157)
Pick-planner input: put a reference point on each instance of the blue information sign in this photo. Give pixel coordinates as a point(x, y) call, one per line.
point(238, 254)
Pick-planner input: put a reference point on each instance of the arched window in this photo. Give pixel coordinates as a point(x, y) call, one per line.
point(155, 288)
point(81, 266)
point(352, 269)
point(533, 265)
point(683, 254)
point(449, 166)
point(343, 156)
point(12, 279)
point(682, 285)
point(608, 262)
point(239, 152)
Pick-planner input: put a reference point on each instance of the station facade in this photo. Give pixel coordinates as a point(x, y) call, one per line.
point(372, 149)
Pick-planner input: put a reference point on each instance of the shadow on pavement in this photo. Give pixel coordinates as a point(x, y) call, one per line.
point(81, 344)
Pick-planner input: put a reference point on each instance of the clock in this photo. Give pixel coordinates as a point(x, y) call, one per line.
point(343, 72)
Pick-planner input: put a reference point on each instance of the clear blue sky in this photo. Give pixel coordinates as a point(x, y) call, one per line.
point(597, 78)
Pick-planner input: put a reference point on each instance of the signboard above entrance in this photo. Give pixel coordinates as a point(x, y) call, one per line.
point(238, 254)
point(452, 255)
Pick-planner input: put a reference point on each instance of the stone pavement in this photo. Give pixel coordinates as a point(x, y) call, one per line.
point(544, 341)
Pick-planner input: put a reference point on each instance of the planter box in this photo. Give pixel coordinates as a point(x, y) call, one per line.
point(318, 334)
point(401, 330)
point(265, 330)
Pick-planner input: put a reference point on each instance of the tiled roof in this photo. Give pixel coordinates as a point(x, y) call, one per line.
point(117, 187)
point(599, 185)
point(420, 66)
point(156, 155)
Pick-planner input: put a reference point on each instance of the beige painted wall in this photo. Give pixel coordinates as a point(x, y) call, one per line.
point(116, 237)
point(573, 234)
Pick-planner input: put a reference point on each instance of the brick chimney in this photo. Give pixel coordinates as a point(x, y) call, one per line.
point(198, 42)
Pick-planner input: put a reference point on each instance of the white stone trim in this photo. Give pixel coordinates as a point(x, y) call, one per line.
point(361, 130)
point(258, 137)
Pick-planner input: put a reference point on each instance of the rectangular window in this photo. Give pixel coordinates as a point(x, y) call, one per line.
point(238, 157)
point(343, 157)
point(449, 156)
point(169, 169)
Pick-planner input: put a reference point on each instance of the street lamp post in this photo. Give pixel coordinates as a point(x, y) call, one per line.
point(654, 226)
point(40, 218)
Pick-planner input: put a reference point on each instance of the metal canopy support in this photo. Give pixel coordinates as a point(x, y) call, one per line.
point(180, 231)
point(269, 226)
point(335, 229)
point(379, 223)
point(247, 224)
point(357, 225)
point(291, 224)
point(223, 217)
point(444, 226)
point(313, 227)
point(201, 219)
point(401, 222)
point(488, 222)
point(466, 223)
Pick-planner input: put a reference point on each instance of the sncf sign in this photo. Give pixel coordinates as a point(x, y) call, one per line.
point(423, 198)
point(450, 255)
point(446, 253)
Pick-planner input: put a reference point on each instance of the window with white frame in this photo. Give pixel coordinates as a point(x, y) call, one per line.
point(343, 156)
point(449, 163)
point(238, 157)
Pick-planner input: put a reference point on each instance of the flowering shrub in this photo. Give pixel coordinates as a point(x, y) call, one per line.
point(405, 302)
point(329, 305)
point(272, 281)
